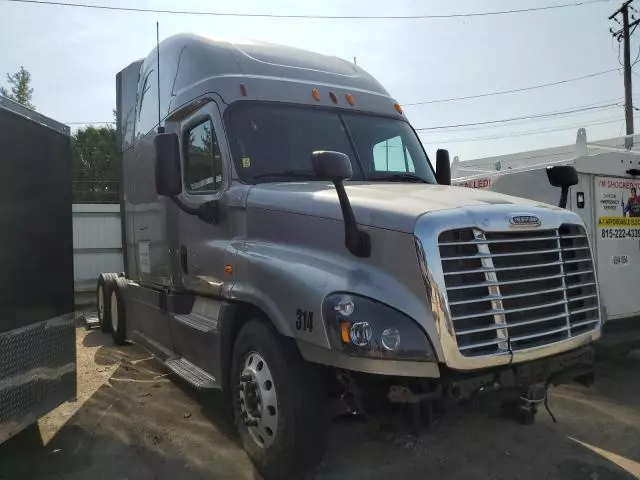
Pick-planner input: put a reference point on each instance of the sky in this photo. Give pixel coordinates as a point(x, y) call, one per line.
point(73, 55)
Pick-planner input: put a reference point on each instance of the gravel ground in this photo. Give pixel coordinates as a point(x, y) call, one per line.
point(134, 421)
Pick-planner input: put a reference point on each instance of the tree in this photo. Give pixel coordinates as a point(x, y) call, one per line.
point(21, 90)
point(96, 165)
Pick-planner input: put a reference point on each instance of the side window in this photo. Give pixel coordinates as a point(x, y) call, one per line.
point(392, 155)
point(202, 161)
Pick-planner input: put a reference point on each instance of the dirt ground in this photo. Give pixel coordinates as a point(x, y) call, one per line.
point(135, 421)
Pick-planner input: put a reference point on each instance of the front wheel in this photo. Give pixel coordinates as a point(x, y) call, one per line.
point(278, 403)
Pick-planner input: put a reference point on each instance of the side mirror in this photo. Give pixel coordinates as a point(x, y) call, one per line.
point(563, 177)
point(336, 166)
point(168, 175)
point(443, 167)
point(331, 165)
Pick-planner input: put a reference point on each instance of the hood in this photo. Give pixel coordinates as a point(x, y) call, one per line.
point(393, 206)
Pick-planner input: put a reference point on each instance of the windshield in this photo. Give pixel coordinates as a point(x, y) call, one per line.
point(274, 142)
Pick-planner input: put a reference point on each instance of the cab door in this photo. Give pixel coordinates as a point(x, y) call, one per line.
point(200, 244)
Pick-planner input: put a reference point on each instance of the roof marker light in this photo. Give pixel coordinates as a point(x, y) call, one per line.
point(243, 90)
point(315, 93)
point(398, 108)
point(333, 97)
point(350, 100)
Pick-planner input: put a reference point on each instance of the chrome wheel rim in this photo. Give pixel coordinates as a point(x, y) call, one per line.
point(258, 400)
point(114, 312)
point(100, 303)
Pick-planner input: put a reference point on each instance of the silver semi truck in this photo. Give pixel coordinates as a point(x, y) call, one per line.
point(288, 241)
point(37, 326)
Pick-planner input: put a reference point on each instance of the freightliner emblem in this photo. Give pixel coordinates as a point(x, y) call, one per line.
point(524, 221)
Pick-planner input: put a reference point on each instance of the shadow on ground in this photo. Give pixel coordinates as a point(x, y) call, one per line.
point(146, 424)
point(142, 424)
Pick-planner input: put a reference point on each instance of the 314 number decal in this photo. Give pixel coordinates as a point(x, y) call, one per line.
point(304, 320)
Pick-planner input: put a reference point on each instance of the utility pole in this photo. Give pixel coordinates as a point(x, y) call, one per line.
point(624, 35)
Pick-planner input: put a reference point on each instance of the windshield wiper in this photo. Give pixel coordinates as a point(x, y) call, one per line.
point(398, 177)
point(288, 174)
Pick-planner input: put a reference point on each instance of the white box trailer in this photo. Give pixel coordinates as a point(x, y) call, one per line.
point(606, 197)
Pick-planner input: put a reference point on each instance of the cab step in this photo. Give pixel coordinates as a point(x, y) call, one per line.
point(191, 373)
point(197, 322)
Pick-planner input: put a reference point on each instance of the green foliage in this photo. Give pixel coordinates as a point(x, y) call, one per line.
point(96, 165)
point(20, 90)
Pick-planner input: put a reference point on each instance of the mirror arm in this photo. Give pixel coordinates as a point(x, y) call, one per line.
point(208, 212)
point(564, 195)
point(357, 241)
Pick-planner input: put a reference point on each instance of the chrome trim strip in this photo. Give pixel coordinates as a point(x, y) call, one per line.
point(580, 272)
point(492, 255)
point(541, 334)
point(482, 344)
point(491, 242)
point(581, 285)
point(510, 310)
point(508, 297)
point(583, 297)
point(503, 269)
point(494, 290)
point(586, 322)
point(564, 290)
point(583, 310)
point(538, 320)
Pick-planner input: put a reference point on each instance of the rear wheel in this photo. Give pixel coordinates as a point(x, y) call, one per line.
point(278, 403)
point(118, 312)
point(106, 282)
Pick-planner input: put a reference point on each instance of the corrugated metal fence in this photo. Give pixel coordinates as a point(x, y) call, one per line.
point(97, 243)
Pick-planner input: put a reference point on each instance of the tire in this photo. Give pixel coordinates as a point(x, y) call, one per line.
point(106, 282)
point(296, 400)
point(118, 312)
point(526, 417)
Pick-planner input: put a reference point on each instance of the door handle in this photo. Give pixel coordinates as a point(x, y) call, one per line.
point(184, 259)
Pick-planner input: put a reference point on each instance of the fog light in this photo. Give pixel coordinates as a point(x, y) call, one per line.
point(390, 339)
point(361, 334)
point(345, 307)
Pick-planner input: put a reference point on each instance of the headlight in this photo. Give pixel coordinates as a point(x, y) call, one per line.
point(362, 327)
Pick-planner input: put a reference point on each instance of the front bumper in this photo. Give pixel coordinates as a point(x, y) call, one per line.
point(556, 370)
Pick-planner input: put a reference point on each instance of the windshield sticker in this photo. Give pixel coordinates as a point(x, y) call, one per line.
point(246, 162)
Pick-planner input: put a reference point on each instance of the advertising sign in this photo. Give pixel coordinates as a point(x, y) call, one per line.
point(618, 208)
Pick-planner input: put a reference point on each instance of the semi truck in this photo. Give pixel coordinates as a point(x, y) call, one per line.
point(605, 197)
point(289, 243)
point(37, 326)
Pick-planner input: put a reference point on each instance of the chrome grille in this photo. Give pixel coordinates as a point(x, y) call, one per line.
point(511, 291)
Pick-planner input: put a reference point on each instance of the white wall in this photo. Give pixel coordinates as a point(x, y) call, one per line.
point(97, 243)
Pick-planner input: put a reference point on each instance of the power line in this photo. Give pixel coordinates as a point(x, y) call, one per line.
point(526, 117)
point(523, 133)
point(583, 108)
point(515, 90)
point(89, 123)
point(527, 121)
point(316, 17)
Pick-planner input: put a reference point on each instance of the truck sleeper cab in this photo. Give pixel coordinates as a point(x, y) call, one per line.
point(286, 235)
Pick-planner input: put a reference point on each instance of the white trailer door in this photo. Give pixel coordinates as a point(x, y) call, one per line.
point(617, 242)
